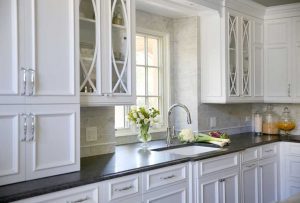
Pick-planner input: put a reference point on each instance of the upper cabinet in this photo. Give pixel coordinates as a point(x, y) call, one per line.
point(107, 52)
point(38, 63)
point(282, 65)
point(232, 58)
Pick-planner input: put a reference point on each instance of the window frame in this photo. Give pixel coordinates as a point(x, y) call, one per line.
point(164, 77)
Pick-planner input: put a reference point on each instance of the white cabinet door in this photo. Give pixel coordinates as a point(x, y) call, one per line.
point(258, 60)
point(12, 144)
point(208, 190)
point(53, 140)
point(277, 61)
point(249, 176)
point(51, 51)
point(177, 193)
point(229, 185)
point(296, 57)
point(268, 180)
point(11, 77)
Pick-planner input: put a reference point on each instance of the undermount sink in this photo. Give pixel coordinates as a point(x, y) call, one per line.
point(190, 150)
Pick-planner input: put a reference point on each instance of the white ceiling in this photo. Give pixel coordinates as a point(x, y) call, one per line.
point(167, 8)
point(275, 2)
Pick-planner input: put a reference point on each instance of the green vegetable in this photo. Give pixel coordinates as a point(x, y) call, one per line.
point(208, 139)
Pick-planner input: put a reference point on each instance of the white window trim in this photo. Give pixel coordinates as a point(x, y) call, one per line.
point(166, 84)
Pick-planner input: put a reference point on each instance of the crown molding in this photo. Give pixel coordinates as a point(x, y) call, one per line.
point(250, 8)
point(282, 11)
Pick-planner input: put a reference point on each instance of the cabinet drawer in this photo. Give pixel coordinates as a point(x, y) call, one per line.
point(268, 150)
point(83, 194)
point(250, 154)
point(161, 177)
point(294, 149)
point(123, 187)
point(218, 164)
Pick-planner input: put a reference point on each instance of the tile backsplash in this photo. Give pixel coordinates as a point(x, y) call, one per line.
point(103, 118)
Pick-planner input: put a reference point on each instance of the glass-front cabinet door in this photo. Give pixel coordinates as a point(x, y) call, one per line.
point(246, 57)
point(89, 23)
point(233, 55)
point(106, 52)
point(120, 71)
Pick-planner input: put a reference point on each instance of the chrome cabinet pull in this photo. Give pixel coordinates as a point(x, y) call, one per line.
point(270, 150)
point(24, 127)
point(168, 177)
point(124, 188)
point(79, 200)
point(289, 90)
point(107, 94)
point(32, 80)
point(222, 180)
point(32, 138)
point(24, 81)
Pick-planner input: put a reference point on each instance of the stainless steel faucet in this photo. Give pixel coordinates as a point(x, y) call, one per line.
point(171, 130)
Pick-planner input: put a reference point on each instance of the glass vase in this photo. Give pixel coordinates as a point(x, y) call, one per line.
point(144, 136)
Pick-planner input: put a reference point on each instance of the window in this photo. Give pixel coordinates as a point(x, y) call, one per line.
point(151, 76)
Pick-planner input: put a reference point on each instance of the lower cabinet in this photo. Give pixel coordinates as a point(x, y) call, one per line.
point(39, 141)
point(216, 180)
point(173, 194)
point(259, 174)
point(222, 187)
point(249, 175)
point(268, 180)
point(124, 189)
point(290, 170)
point(82, 194)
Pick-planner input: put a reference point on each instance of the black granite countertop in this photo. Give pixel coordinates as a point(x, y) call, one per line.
point(127, 159)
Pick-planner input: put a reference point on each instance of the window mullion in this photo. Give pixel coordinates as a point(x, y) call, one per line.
point(146, 70)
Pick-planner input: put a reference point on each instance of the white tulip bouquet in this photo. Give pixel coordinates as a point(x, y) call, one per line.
point(143, 118)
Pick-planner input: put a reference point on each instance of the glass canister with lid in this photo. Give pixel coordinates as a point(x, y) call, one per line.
point(270, 121)
point(286, 122)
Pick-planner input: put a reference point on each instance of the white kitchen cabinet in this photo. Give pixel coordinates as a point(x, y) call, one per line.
point(268, 178)
point(296, 57)
point(39, 140)
point(278, 73)
point(222, 187)
point(38, 64)
point(259, 174)
point(84, 194)
point(12, 144)
point(217, 179)
point(108, 71)
point(11, 77)
point(126, 188)
point(250, 183)
point(232, 63)
point(174, 193)
point(53, 140)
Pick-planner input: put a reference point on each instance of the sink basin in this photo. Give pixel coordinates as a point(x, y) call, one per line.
point(191, 150)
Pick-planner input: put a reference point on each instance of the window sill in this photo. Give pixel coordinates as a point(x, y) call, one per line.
point(131, 132)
